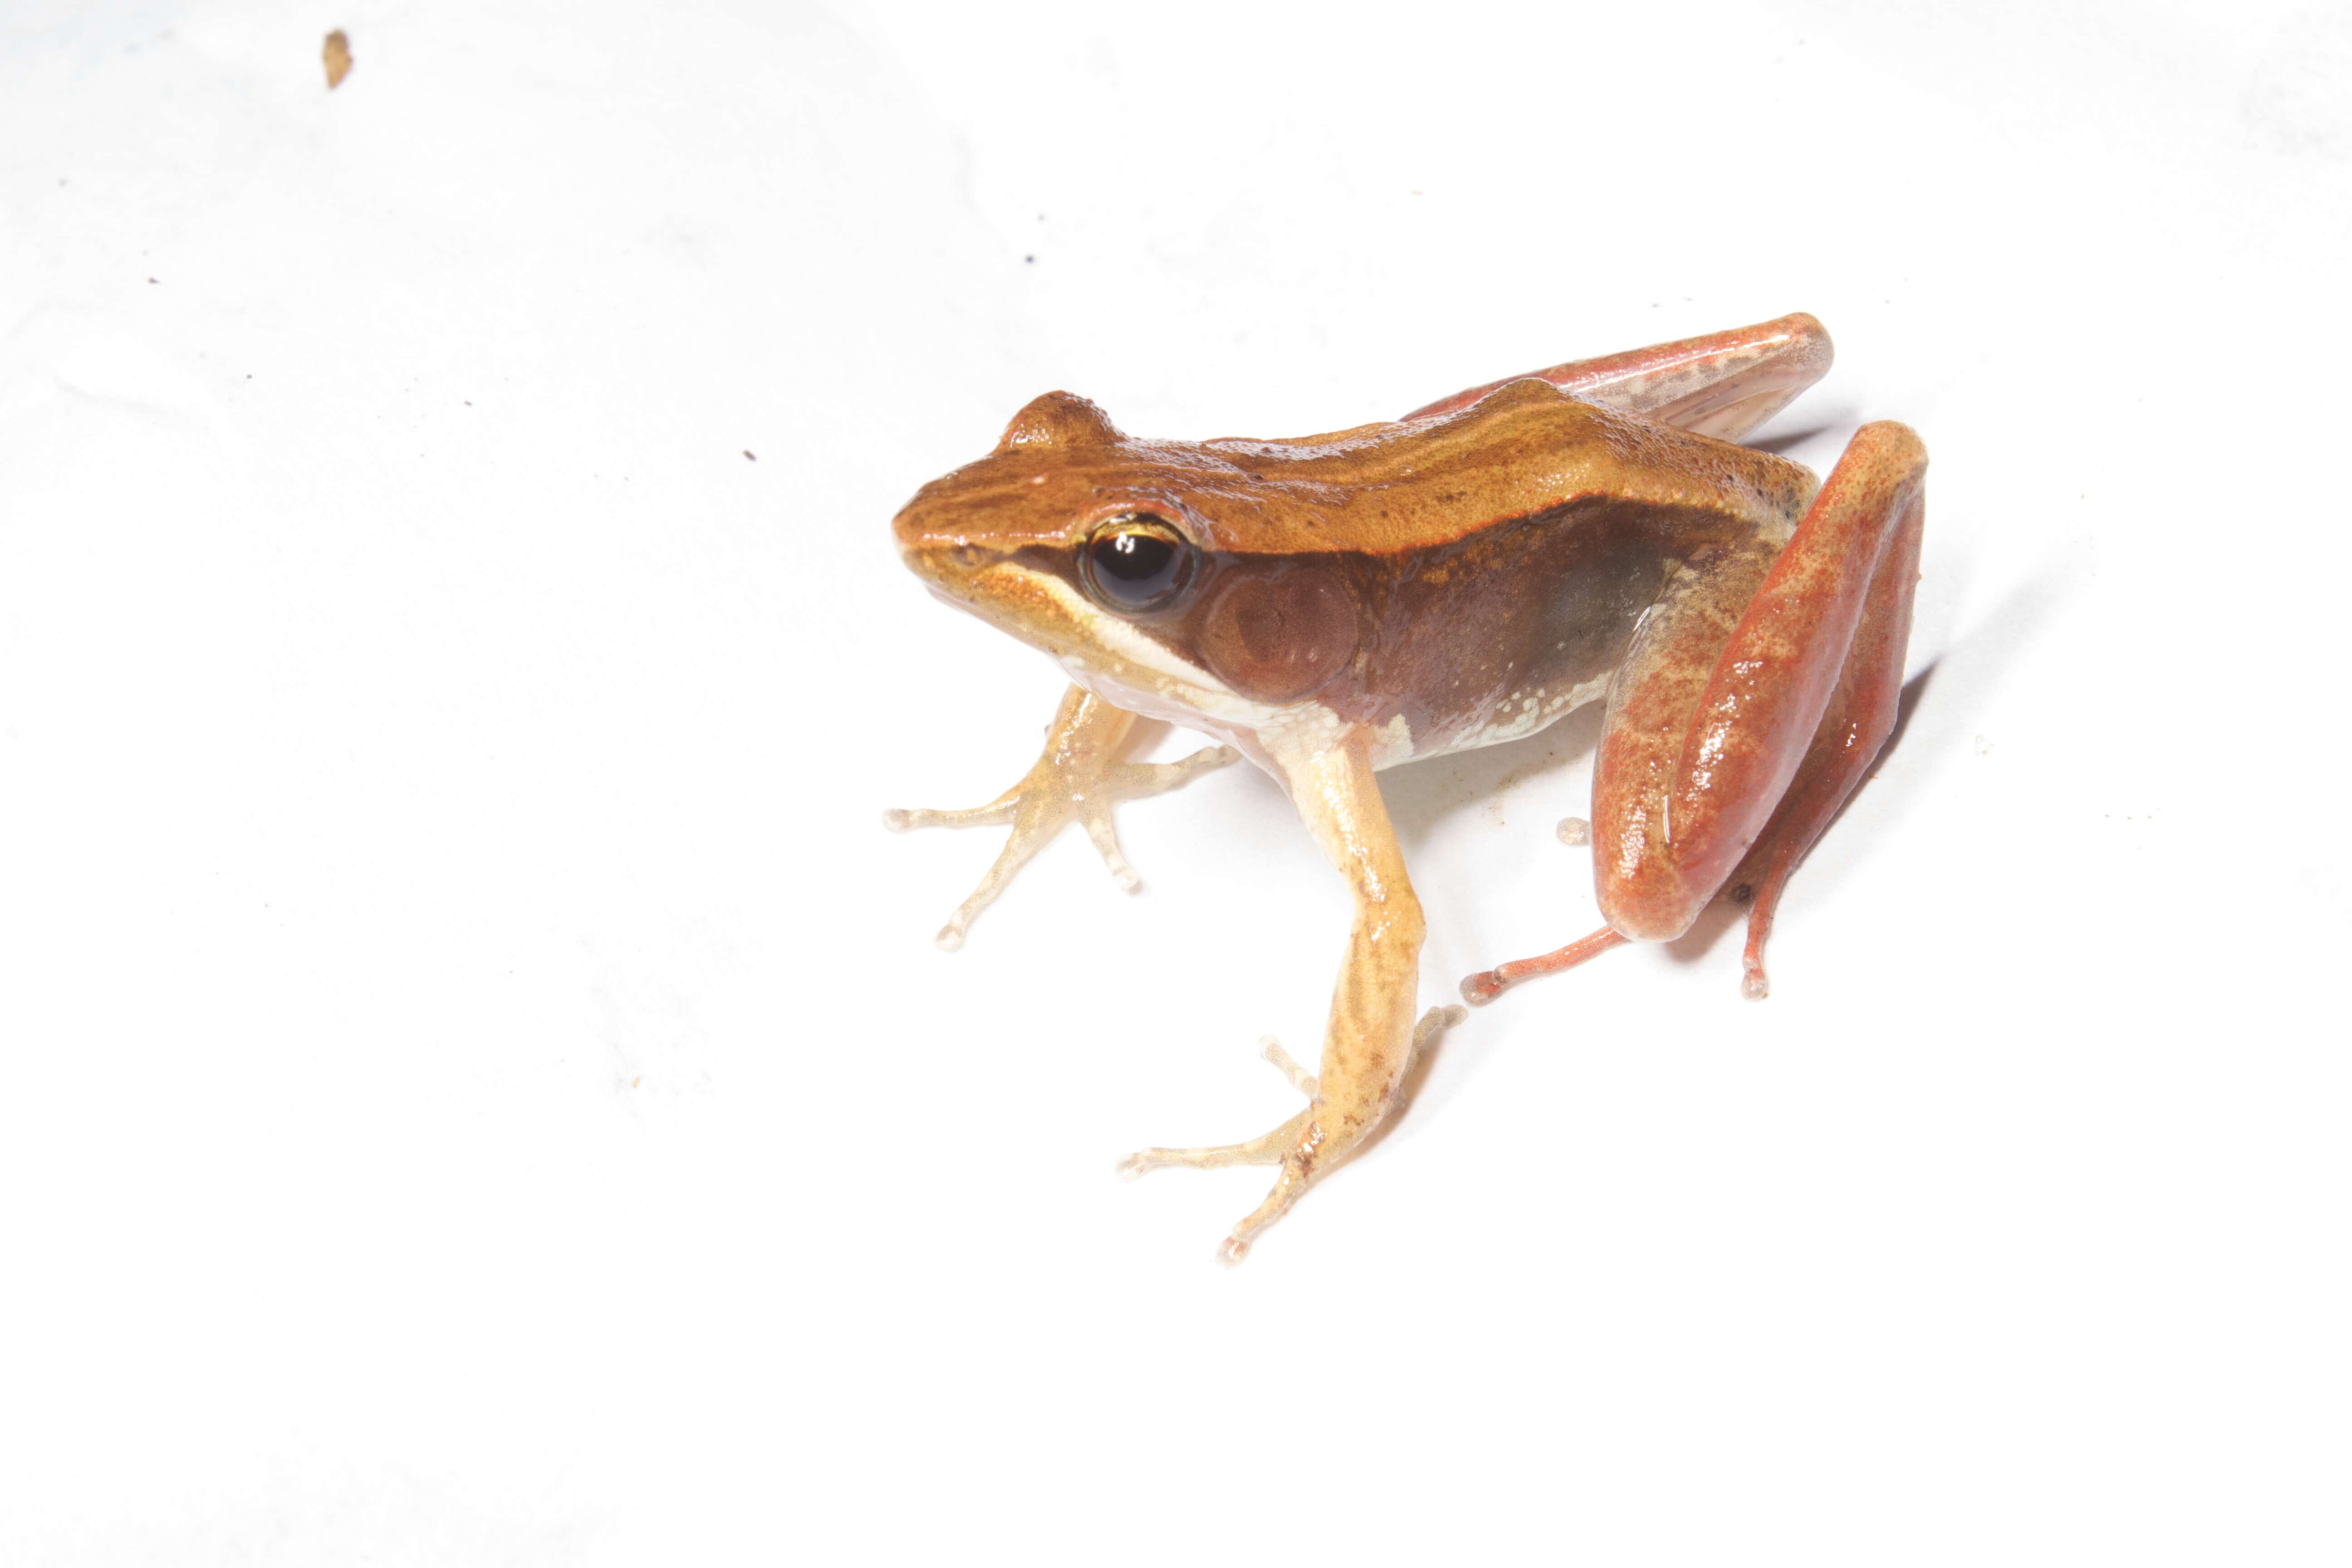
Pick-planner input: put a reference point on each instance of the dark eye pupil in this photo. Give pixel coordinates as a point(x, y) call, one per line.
point(1135, 564)
point(1138, 558)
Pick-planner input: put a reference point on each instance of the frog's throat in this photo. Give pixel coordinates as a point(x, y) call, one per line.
point(1140, 673)
point(1134, 669)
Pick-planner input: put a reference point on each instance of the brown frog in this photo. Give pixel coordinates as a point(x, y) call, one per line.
point(1333, 605)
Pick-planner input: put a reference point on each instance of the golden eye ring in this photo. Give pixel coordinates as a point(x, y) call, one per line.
point(1136, 561)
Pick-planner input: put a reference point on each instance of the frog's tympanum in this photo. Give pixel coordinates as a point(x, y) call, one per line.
point(1330, 606)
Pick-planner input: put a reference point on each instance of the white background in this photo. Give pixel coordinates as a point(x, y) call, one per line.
point(476, 1084)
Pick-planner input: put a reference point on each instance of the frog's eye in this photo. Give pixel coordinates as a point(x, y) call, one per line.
point(1136, 561)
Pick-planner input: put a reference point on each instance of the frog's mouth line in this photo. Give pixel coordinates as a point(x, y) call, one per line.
point(1099, 650)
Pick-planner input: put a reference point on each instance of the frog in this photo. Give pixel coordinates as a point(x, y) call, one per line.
point(1333, 606)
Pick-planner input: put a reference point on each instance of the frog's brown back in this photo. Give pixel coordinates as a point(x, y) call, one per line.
point(1524, 451)
point(1389, 489)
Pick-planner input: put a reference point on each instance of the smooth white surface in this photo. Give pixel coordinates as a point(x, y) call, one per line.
point(479, 1085)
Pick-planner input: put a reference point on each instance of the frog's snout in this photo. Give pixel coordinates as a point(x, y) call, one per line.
point(948, 568)
point(912, 538)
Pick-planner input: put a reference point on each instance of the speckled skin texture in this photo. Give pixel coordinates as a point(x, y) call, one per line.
point(1341, 603)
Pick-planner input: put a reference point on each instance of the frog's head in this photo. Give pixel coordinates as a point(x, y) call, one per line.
point(1143, 567)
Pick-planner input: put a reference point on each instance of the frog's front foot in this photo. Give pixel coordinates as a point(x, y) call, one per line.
point(1298, 1145)
point(1076, 780)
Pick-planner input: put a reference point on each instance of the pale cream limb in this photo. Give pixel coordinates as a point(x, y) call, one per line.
point(1370, 1036)
point(1077, 778)
point(1263, 1149)
point(1368, 1040)
point(1287, 1066)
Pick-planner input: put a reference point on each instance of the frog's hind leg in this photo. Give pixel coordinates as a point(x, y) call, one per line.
point(1077, 779)
point(1722, 752)
point(1724, 385)
point(1860, 717)
point(1756, 696)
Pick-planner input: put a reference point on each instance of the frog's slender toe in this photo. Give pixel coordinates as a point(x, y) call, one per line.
point(1307, 1146)
point(1025, 842)
point(995, 814)
point(1488, 983)
point(1754, 983)
point(1267, 1149)
point(1300, 1078)
point(1482, 987)
point(1764, 900)
point(1105, 836)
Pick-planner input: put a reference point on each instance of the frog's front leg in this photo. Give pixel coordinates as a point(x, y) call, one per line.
point(1755, 697)
point(1370, 1036)
point(1077, 778)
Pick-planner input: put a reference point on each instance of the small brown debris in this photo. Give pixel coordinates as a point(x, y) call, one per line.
point(338, 56)
point(747, 452)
